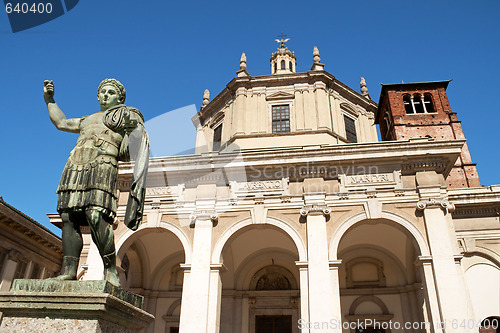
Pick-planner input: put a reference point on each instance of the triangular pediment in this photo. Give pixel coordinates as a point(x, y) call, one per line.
point(280, 95)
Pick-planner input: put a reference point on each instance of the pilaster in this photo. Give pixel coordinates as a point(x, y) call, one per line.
point(215, 294)
point(240, 110)
point(431, 297)
point(304, 293)
point(9, 270)
point(450, 284)
point(334, 274)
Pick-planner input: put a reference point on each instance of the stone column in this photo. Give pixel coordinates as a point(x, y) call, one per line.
point(321, 295)
point(334, 273)
point(9, 270)
point(43, 272)
point(451, 289)
point(431, 298)
point(414, 302)
point(406, 307)
point(245, 314)
point(320, 289)
point(304, 294)
point(29, 268)
point(195, 294)
point(214, 300)
point(150, 301)
point(412, 104)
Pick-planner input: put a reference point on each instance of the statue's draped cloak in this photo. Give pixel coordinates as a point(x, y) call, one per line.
point(92, 181)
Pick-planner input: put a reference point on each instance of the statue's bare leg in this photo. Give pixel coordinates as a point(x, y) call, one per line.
point(102, 235)
point(72, 245)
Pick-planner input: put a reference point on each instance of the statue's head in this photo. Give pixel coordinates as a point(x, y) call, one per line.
point(110, 93)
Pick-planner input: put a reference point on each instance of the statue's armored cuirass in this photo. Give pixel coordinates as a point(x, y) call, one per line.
point(96, 139)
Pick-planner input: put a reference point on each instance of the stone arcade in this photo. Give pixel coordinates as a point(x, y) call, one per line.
point(292, 210)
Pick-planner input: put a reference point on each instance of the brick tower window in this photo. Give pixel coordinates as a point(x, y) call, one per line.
point(417, 103)
point(408, 104)
point(429, 107)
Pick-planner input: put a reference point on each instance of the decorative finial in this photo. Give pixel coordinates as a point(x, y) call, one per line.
point(317, 65)
point(316, 57)
point(206, 98)
point(242, 72)
point(364, 88)
point(243, 61)
point(282, 40)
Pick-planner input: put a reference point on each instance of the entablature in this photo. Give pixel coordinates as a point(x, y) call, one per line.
point(475, 202)
point(352, 173)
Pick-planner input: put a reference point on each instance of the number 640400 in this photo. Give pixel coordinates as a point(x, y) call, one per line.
point(24, 8)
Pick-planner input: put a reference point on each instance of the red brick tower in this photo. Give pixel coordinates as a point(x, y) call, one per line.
point(415, 110)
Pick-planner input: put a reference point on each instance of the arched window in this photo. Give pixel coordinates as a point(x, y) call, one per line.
point(408, 104)
point(417, 102)
point(275, 67)
point(429, 107)
point(283, 64)
point(290, 65)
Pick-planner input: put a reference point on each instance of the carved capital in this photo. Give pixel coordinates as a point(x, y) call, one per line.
point(204, 215)
point(315, 210)
point(442, 203)
point(14, 255)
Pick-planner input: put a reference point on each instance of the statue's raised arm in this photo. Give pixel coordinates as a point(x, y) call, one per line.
point(56, 115)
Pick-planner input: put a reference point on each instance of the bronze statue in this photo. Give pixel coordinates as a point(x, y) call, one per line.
point(88, 185)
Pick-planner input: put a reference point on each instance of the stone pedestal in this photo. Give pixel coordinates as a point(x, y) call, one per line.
point(71, 306)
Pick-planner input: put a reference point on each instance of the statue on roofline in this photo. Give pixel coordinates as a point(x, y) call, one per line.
point(88, 186)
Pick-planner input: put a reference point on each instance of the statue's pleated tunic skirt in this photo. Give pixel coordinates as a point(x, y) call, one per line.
point(89, 185)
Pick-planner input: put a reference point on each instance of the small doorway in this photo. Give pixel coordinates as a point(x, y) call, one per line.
point(273, 324)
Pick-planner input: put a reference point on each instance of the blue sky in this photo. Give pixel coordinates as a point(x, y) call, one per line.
point(167, 53)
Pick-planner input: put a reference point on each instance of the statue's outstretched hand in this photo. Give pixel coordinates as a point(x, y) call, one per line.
point(48, 90)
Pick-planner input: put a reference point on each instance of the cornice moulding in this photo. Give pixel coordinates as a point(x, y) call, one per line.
point(407, 155)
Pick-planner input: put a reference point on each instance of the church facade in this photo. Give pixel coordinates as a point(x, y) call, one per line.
point(292, 216)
